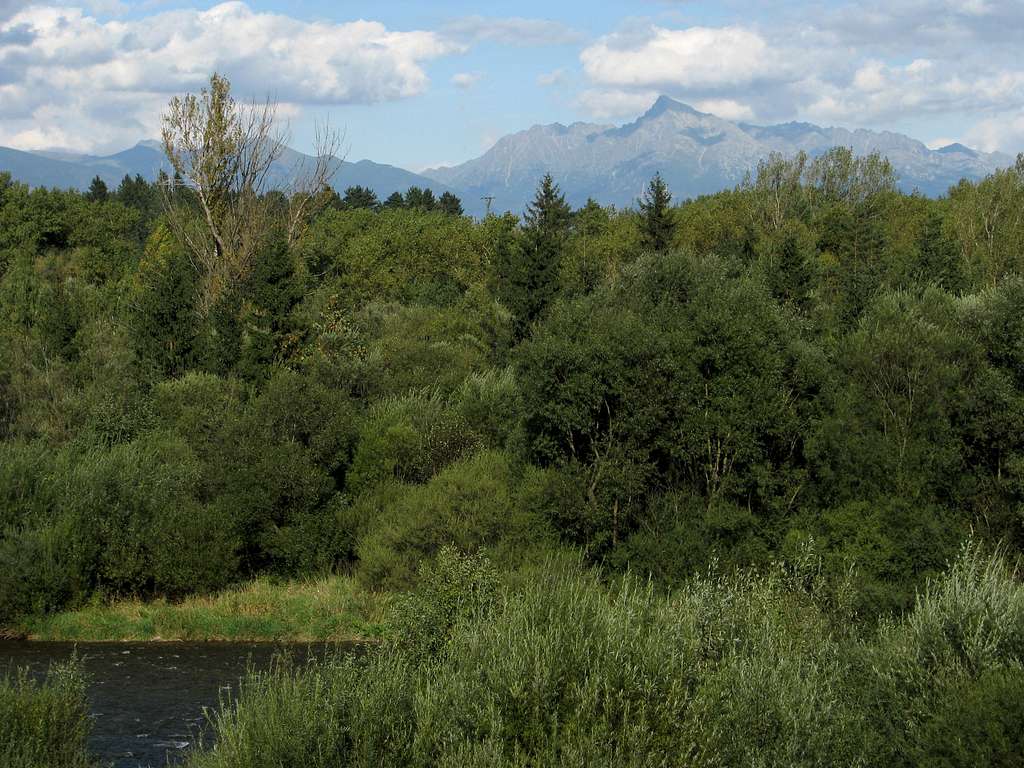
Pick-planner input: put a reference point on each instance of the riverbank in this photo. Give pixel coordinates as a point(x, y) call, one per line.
point(331, 609)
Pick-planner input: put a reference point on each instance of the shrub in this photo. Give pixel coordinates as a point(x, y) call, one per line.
point(44, 724)
point(456, 588)
point(409, 439)
point(471, 504)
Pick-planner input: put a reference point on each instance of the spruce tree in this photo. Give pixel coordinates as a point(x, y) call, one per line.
point(97, 190)
point(395, 201)
point(529, 281)
point(359, 197)
point(450, 204)
point(657, 222)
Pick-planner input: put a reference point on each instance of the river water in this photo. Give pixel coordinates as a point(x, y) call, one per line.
point(147, 699)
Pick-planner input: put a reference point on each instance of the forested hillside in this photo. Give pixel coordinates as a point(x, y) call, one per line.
point(811, 362)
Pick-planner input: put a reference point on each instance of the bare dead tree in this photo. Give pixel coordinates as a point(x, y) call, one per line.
point(227, 156)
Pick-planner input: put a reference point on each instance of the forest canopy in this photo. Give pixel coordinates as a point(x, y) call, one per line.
point(812, 360)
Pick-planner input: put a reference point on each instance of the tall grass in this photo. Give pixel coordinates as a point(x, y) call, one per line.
point(327, 609)
point(44, 724)
point(748, 670)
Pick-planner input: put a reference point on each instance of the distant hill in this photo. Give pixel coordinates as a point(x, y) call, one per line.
point(697, 153)
point(70, 170)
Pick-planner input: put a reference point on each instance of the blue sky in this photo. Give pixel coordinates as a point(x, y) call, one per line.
point(428, 83)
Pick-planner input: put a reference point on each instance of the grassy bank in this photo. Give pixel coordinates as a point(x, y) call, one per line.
point(332, 608)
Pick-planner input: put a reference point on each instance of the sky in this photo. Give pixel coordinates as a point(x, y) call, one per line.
point(422, 84)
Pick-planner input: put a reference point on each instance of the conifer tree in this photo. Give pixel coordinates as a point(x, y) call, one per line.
point(97, 190)
point(420, 199)
point(359, 197)
point(395, 201)
point(658, 224)
point(528, 281)
point(450, 204)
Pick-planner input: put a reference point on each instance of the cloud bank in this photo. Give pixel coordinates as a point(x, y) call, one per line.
point(68, 79)
point(867, 64)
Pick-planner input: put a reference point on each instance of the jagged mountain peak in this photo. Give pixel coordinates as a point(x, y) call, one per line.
point(696, 153)
point(665, 104)
point(957, 148)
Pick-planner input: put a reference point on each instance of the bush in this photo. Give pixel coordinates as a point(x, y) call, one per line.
point(741, 670)
point(456, 588)
point(409, 439)
point(44, 724)
point(471, 504)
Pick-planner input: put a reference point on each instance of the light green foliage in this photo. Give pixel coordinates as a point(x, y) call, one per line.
point(44, 724)
point(988, 218)
point(470, 504)
point(744, 670)
point(601, 244)
point(407, 255)
point(453, 590)
point(409, 439)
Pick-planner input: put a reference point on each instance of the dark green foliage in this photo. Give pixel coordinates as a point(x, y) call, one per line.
point(812, 361)
point(359, 197)
point(163, 320)
point(656, 216)
point(420, 199)
point(97, 191)
point(395, 200)
point(675, 378)
point(526, 277)
point(450, 204)
point(781, 416)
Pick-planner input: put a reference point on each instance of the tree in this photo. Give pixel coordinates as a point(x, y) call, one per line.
point(420, 199)
point(395, 201)
point(97, 190)
point(449, 204)
point(658, 223)
point(527, 278)
point(227, 156)
point(359, 197)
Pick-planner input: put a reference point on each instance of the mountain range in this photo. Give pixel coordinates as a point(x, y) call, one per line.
point(64, 169)
point(695, 152)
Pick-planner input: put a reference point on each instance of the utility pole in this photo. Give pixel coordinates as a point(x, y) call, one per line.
point(488, 199)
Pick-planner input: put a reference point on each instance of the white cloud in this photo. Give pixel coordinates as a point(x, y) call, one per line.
point(1005, 133)
point(466, 80)
point(614, 104)
point(101, 82)
point(696, 57)
point(847, 66)
point(726, 108)
point(880, 92)
point(555, 77)
point(512, 31)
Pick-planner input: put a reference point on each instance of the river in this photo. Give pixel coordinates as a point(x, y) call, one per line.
point(147, 699)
